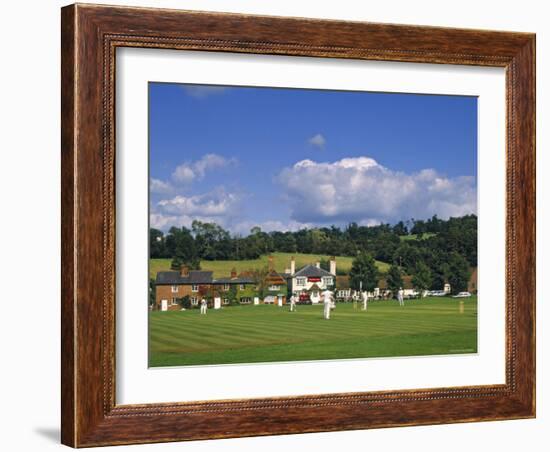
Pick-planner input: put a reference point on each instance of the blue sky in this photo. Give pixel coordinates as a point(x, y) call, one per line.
point(290, 158)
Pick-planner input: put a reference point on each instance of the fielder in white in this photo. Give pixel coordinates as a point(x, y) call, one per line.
point(293, 303)
point(365, 298)
point(400, 297)
point(204, 306)
point(327, 304)
point(354, 298)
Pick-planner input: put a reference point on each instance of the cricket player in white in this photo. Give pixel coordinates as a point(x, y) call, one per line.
point(365, 299)
point(292, 303)
point(204, 306)
point(400, 297)
point(327, 300)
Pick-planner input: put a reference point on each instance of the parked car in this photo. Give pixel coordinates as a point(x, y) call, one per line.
point(462, 295)
point(438, 293)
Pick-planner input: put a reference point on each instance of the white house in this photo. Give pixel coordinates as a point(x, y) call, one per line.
point(311, 280)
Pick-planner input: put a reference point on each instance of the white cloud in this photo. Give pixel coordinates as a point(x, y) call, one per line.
point(216, 203)
point(177, 208)
point(192, 171)
point(160, 187)
point(165, 222)
point(217, 206)
point(359, 189)
point(183, 174)
point(317, 140)
point(202, 91)
point(211, 161)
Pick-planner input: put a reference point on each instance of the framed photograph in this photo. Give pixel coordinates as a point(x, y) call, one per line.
point(282, 225)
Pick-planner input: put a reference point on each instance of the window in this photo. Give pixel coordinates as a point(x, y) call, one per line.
point(301, 281)
point(241, 286)
point(174, 289)
point(246, 300)
point(194, 288)
point(194, 301)
point(226, 301)
point(327, 280)
point(274, 287)
point(226, 287)
point(174, 301)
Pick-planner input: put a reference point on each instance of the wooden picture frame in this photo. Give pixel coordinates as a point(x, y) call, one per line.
point(90, 36)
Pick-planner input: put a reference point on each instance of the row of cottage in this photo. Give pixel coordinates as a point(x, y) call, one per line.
point(306, 283)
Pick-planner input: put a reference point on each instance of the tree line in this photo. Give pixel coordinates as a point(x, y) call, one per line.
point(434, 251)
point(452, 268)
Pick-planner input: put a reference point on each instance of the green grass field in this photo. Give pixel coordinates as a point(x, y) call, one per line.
point(264, 333)
point(280, 261)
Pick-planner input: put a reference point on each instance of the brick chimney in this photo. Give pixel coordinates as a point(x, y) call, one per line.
point(270, 263)
point(333, 265)
point(292, 265)
point(318, 264)
point(234, 273)
point(184, 271)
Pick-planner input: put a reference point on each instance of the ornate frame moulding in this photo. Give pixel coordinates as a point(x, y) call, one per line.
point(90, 36)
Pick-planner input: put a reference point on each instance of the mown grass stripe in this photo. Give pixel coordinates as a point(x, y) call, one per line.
point(269, 333)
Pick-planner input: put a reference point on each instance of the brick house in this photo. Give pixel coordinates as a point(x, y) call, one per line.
point(275, 288)
point(171, 286)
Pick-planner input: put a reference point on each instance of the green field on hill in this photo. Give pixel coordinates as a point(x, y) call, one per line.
point(426, 235)
point(266, 333)
point(281, 261)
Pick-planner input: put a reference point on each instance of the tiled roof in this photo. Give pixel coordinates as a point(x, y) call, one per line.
point(312, 271)
point(274, 278)
point(194, 277)
point(198, 277)
point(239, 280)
